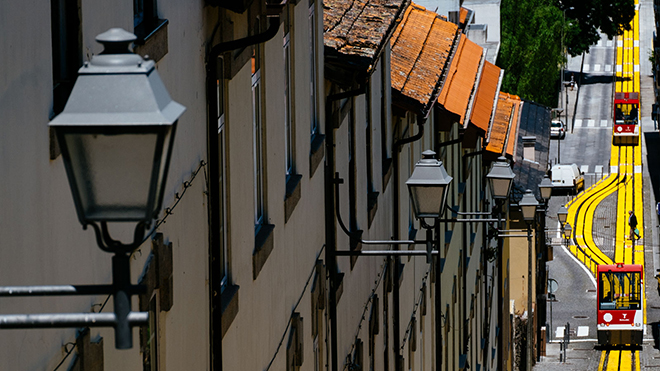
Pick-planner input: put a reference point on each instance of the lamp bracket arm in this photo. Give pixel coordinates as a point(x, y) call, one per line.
point(422, 222)
point(468, 212)
point(504, 235)
point(477, 220)
point(352, 236)
point(108, 244)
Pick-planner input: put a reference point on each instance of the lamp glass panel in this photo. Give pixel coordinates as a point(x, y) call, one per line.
point(113, 174)
point(528, 212)
point(163, 165)
point(546, 192)
point(427, 200)
point(500, 187)
point(562, 217)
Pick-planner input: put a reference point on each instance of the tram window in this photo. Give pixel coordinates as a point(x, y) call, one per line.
point(620, 291)
point(626, 114)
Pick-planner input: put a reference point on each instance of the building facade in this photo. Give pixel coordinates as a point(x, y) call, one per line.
point(304, 121)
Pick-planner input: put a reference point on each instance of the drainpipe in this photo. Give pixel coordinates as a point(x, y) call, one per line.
point(330, 226)
point(215, 297)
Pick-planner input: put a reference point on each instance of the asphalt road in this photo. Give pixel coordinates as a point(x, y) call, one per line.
point(587, 144)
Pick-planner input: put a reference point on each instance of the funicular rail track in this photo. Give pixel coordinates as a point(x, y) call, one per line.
point(624, 180)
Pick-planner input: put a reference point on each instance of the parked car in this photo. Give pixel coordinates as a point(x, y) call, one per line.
point(557, 129)
point(567, 176)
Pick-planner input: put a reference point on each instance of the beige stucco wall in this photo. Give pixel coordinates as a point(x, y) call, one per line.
point(260, 330)
point(41, 238)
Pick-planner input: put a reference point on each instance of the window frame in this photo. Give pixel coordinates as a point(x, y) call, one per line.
point(257, 140)
point(314, 120)
point(222, 171)
point(289, 142)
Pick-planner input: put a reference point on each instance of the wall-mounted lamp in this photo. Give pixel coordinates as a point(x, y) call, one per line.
point(116, 135)
point(562, 215)
point(545, 188)
point(528, 205)
point(428, 186)
point(500, 178)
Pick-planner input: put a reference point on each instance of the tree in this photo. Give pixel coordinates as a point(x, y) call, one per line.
point(537, 33)
point(584, 18)
point(531, 51)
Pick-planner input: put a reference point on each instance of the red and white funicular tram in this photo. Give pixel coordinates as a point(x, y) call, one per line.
point(620, 311)
point(626, 118)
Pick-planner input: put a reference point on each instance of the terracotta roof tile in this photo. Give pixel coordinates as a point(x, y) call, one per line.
point(486, 94)
point(459, 84)
point(512, 138)
point(421, 45)
point(503, 130)
point(463, 15)
point(359, 27)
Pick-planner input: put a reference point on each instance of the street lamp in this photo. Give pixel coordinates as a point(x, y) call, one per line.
point(528, 206)
point(545, 188)
point(562, 215)
point(428, 186)
point(567, 232)
point(116, 135)
point(500, 179)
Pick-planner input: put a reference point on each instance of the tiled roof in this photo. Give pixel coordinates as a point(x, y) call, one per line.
point(459, 84)
point(359, 27)
point(421, 45)
point(504, 125)
point(486, 94)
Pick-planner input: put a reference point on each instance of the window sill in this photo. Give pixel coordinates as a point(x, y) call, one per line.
point(152, 39)
point(229, 310)
point(263, 242)
point(316, 153)
point(292, 195)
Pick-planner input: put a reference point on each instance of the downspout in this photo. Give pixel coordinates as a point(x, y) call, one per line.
point(396, 149)
point(330, 226)
point(215, 296)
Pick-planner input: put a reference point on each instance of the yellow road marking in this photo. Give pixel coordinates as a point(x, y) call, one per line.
point(613, 360)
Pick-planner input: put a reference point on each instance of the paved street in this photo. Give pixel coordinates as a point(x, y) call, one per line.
point(587, 145)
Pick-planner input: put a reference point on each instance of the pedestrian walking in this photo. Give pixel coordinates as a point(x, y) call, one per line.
point(632, 222)
point(572, 82)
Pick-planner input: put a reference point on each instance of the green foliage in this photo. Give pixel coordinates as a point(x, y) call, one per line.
point(584, 18)
point(536, 34)
point(531, 49)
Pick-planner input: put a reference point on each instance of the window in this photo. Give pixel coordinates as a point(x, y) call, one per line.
point(294, 347)
point(66, 43)
point(222, 191)
point(370, 178)
point(257, 135)
point(288, 119)
point(385, 116)
point(352, 175)
point(313, 78)
point(151, 31)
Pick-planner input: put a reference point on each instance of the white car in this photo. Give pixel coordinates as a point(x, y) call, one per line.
point(567, 176)
point(557, 129)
